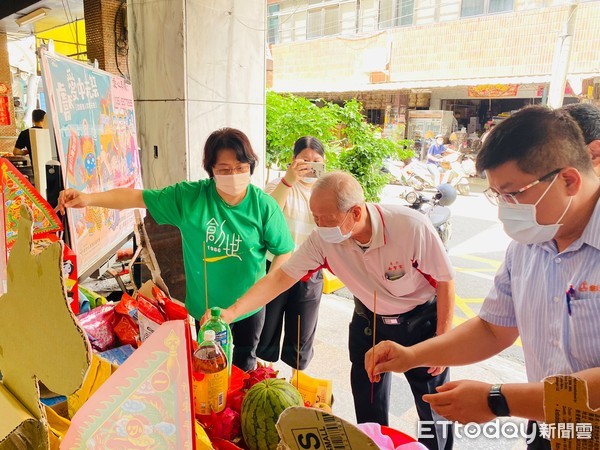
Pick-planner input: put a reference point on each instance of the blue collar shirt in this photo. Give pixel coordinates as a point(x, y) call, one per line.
point(558, 336)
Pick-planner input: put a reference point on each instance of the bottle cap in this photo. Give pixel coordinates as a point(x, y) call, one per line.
point(209, 335)
point(215, 312)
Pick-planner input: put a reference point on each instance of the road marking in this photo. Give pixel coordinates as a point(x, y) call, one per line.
point(492, 262)
point(460, 303)
point(477, 274)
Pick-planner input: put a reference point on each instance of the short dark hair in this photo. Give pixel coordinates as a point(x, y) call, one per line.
point(587, 117)
point(228, 138)
point(38, 115)
point(539, 140)
point(308, 142)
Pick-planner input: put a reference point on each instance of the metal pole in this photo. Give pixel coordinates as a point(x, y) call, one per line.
point(560, 64)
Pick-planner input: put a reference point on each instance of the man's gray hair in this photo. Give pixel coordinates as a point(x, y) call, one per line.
point(347, 190)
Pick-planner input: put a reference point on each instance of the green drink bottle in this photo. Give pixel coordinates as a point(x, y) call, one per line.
point(222, 334)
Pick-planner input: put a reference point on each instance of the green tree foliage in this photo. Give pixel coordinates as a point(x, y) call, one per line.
point(352, 144)
point(289, 118)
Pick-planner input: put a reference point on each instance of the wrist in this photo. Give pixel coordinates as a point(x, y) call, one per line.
point(497, 402)
point(285, 182)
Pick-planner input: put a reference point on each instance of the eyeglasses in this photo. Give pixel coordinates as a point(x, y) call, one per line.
point(244, 168)
point(496, 198)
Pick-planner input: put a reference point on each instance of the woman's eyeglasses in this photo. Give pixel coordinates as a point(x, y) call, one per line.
point(244, 168)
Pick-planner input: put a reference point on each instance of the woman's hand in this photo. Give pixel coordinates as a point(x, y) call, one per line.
point(70, 198)
point(226, 316)
point(297, 170)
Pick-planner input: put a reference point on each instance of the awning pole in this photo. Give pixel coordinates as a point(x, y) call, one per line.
point(560, 64)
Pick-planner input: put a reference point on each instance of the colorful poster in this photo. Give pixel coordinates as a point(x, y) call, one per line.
point(147, 403)
point(17, 191)
point(94, 122)
point(493, 90)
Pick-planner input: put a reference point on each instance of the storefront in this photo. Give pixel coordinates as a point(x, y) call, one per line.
point(474, 106)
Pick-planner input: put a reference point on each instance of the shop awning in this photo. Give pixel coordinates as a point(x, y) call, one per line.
point(423, 85)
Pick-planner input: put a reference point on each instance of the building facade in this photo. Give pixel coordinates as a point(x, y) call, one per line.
point(478, 58)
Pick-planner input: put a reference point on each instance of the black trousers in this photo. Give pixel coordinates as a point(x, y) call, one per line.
point(246, 334)
point(415, 328)
point(281, 314)
point(539, 442)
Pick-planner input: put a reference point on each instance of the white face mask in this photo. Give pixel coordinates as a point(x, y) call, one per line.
point(234, 184)
point(334, 235)
point(309, 180)
point(520, 221)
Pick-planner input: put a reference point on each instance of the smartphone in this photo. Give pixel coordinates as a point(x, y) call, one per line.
point(317, 168)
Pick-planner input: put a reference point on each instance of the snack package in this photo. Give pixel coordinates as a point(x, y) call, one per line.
point(313, 390)
point(150, 316)
point(126, 321)
point(98, 325)
point(172, 309)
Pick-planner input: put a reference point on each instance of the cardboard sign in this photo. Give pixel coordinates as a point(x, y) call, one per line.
point(303, 428)
point(40, 340)
point(570, 423)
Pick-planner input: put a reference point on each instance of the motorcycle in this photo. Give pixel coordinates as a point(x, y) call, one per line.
point(401, 174)
point(436, 209)
point(455, 173)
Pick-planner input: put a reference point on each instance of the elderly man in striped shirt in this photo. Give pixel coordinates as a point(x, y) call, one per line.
point(541, 178)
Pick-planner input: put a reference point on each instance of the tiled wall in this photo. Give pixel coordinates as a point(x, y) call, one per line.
point(503, 45)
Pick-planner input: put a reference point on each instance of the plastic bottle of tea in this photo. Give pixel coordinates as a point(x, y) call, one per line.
point(210, 376)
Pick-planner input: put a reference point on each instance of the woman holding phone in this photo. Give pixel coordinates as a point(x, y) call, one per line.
point(292, 193)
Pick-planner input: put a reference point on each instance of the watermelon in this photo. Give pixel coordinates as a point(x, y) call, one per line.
point(261, 408)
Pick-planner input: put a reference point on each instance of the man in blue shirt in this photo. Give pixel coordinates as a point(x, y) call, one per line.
point(547, 194)
point(434, 158)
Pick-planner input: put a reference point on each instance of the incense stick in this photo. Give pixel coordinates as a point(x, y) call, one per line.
point(374, 338)
point(298, 354)
point(205, 276)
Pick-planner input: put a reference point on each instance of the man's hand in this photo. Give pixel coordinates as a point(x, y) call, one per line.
point(462, 401)
point(70, 198)
point(387, 356)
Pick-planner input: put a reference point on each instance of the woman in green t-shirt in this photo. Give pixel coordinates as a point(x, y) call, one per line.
point(233, 220)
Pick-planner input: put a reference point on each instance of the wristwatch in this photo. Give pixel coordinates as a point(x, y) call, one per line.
point(497, 401)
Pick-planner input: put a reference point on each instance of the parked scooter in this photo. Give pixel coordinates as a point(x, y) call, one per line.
point(455, 173)
point(402, 176)
point(436, 208)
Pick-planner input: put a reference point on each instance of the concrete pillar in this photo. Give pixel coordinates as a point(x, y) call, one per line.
point(196, 66)
point(106, 34)
point(8, 132)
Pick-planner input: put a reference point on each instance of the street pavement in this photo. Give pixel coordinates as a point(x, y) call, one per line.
point(476, 251)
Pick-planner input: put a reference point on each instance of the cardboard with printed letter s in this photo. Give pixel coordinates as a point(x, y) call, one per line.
point(310, 428)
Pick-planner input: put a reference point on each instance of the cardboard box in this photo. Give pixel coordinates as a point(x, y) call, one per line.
point(570, 423)
point(309, 428)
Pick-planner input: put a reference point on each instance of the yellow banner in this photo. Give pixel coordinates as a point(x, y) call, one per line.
point(493, 90)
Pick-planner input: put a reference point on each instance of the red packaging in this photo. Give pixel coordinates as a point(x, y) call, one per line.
point(173, 310)
point(126, 321)
point(150, 316)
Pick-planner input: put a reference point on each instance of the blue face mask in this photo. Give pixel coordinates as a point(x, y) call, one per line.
point(334, 235)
